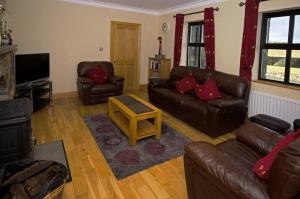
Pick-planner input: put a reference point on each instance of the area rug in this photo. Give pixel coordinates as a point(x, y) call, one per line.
point(125, 159)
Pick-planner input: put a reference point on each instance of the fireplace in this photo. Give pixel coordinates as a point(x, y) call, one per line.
point(7, 72)
point(15, 130)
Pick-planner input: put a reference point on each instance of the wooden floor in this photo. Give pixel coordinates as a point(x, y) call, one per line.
point(92, 177)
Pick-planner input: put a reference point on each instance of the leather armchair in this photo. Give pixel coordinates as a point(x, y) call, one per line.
point(94, 94)
point(224, 171)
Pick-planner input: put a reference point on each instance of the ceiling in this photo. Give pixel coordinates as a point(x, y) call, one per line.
point(155, 7)
point(150, 4)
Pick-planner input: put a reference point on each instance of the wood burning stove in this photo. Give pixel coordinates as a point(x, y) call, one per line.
point(15, 130)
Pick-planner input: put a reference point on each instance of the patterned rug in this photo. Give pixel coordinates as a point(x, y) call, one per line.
point(126, 160)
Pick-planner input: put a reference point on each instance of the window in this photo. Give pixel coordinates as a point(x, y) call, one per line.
point(280, 47)
point(195, 45)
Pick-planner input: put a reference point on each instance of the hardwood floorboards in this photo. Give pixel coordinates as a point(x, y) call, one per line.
point(92, 176)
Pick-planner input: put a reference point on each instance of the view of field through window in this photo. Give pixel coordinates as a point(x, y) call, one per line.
point(274, 60)
point(280, 59)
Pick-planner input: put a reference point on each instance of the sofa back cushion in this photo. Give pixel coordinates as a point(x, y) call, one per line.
point(178, 73)
point(202, 75)
point(84, 67)
point(284, 178)
point(232, 84)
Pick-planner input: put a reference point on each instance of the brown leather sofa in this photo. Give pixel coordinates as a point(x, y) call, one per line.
point(93, 94)
point(224, 171)
point(215, 117)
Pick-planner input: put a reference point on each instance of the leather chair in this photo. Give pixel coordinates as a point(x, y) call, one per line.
point(94, 94)
point(224, 171)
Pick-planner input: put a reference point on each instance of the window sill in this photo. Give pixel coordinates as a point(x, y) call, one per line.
point(277, 84)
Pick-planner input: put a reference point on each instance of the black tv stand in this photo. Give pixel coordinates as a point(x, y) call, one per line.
point(39, 92)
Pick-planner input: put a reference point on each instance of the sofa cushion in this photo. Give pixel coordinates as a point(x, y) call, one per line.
point(103, 88)
point(186, 84)
point(170, 100)
point(245, 156)
point(257, 137)
point(179, 99)
point(208, 91)
point(202, 75)
point(194, 108)
point(178, 73)
point(232, 84)
point(171, 96)
point(98, 74)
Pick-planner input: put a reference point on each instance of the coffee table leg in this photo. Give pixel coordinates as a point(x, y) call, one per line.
point(133, 131)
point(109, 109)
point(157, 124)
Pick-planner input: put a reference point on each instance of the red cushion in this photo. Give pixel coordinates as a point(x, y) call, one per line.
point(186, 84)
point(98, 74)
point(262, 167)
point(208, 91)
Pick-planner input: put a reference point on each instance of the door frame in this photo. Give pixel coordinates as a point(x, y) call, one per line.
point(138, 59)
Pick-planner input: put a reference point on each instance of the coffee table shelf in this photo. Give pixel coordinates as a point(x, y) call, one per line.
point(135, 126)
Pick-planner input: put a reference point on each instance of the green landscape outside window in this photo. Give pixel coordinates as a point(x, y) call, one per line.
point(280, 47)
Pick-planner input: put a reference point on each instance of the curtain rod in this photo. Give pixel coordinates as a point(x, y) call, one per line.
point(243, 3)
point(215, 9)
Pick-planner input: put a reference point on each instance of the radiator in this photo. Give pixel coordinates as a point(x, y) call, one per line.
point(280, 107)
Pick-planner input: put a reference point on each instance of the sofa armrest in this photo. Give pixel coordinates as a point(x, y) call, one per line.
point(159, 82)
point(257, 137)
point(228, 104)
point(222, 171)
point(115, 79)
point(85, 80)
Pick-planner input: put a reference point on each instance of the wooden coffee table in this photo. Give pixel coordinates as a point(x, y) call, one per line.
point(135, 117)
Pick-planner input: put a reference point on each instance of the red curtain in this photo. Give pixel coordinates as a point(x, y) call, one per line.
point(178, 39)
point(249, 39)
point(209, 37)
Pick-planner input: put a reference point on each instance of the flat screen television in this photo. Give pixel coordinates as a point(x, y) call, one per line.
point(31, 68)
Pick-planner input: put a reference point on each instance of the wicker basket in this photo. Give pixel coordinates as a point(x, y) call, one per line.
point(57, 193)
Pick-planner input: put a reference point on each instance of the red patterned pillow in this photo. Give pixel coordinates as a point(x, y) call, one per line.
point(208, 91)
point(186, 84)
point(263, 166)
point(98, 74)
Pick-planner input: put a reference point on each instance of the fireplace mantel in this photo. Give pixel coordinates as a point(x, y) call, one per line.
point(7, 72)
point(7, 49)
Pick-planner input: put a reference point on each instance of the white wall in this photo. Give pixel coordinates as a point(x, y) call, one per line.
point(74, 33)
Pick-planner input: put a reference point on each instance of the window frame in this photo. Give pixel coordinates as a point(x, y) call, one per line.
point(200, 45)
point(289, 46)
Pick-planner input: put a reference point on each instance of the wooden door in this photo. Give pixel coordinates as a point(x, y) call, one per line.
point(125, 52)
